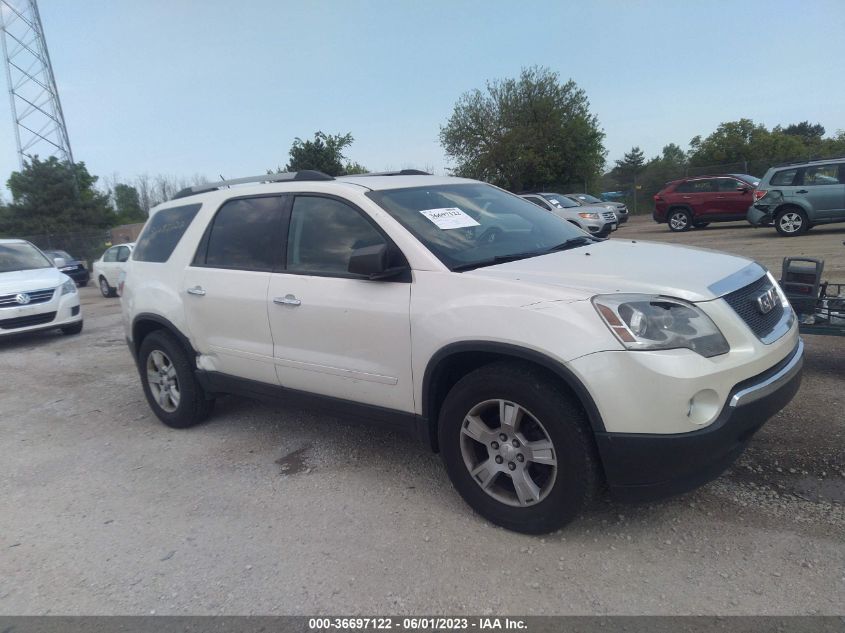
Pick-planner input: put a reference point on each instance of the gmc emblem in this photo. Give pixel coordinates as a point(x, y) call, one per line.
point(767, 301)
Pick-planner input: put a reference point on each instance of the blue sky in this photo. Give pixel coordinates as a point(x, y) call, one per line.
point(223, 87)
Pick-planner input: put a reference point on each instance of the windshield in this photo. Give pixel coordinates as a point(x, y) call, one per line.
point(585, 197)
point(21, 257)
point(559, 200)
point(55, 254)
point(750, 179)
point(472, 225)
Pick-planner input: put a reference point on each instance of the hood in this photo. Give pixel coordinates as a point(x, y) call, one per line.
point(27, 280)
point(615, 266)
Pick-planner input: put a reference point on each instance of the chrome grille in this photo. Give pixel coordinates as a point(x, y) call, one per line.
point(35, 296)
point(744, 303)
point(609, 216)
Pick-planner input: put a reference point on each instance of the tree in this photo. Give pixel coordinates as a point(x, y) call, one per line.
point(808, 133)
point(51, 196)
point(324, 153)
point(630, 166)
point(525, 133)
point(127, 204)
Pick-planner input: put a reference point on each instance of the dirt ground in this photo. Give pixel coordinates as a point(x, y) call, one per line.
point(266, 510)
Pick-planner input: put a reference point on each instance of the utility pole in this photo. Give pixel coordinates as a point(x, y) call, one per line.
point(36, 110)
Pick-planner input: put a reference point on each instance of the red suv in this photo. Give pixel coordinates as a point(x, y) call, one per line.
point(696, 202)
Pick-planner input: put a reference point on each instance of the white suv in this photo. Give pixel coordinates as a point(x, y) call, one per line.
point(539, 361)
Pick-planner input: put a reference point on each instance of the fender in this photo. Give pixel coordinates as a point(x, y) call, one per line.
point(167, 325)
point(514, 351)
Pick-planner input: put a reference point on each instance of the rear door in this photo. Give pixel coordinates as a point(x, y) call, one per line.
point(697, 193)
point(824, 189)
point(106, 266)
point(225, 288)
point(335, 333)
point(733, 197)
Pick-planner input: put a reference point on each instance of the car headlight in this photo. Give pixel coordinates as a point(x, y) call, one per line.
point(651, 322)
point(589, 216)
point(68, 288)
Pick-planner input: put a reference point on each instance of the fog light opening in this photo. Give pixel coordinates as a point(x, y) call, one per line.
point(703, 407)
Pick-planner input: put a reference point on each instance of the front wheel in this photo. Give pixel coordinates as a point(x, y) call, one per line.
point(172, 390)
point(70, 330)
point(105, 289)
point(679, 220)
point(791, 221)
point(517, 448)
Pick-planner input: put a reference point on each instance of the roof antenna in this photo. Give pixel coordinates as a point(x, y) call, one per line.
point(221, 178)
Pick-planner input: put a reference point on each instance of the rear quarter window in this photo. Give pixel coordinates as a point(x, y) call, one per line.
point(784, 178)
point(163, 232)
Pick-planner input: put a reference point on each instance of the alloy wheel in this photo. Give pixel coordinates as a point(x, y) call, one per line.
point(791, 222)
point(508, 453)
point(163, 381)
point(679, 221)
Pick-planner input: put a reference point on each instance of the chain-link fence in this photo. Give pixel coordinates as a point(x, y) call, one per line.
point(86, 246)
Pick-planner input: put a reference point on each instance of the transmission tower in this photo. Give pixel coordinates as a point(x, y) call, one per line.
point(36, 110)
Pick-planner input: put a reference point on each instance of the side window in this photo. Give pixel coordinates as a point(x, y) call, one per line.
point(122, 253)
point(245, 235)
point(695, 186)
point(539, 202)
point(822, 175)
point(163, 232)
point(110, 255)
point(323, 233)
point(784, 178)
point(729, 185)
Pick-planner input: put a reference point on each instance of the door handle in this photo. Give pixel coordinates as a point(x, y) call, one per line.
point(287, 300)
point(686, 197)
point(196, 290)
point(802, 191)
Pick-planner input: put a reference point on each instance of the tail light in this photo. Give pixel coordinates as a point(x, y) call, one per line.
point(759, 193)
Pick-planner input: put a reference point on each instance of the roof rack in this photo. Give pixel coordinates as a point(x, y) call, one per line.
point(809, 160)
point(401, 172)
point(304, 174)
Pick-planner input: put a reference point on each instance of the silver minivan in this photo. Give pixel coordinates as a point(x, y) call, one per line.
point(799, 196)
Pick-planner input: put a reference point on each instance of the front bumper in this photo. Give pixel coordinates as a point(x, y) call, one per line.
point(651, 466)
point(61, 311)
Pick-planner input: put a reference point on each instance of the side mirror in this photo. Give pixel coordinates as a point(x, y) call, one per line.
point(742, 189)
point(59, 262)
point(373, 262)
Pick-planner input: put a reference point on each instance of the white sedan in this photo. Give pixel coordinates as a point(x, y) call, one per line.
point(108, 269)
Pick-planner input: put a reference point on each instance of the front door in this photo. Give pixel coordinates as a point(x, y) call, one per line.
point(225, 288)
point(732, 198)
point(824, 189)
point(335, 333)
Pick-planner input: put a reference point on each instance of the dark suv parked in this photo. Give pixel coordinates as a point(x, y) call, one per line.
point(696, 202)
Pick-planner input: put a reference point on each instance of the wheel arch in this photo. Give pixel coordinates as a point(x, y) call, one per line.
point(455, 360)
point(146, 323)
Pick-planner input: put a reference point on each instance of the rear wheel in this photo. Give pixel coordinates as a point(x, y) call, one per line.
point(791, 221)
point(679, 220)
point(170, 386)
point(517, 448)
point(105, 289)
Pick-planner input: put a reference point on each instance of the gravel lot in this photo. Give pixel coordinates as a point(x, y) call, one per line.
point(265, 510)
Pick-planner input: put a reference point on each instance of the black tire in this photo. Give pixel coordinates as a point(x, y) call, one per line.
point(561, 420)
point(791, 221)
point(193, 406)
point(83, 283)
point(701, 225)
point(69, 330)
point(105, 289)
point(679, 220)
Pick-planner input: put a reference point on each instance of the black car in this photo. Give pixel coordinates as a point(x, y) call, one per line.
point(73, 268)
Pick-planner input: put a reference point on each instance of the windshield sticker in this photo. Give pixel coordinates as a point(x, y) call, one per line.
point(555, 202)
point(449, 218)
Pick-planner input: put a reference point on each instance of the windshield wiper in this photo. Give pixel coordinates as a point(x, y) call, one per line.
point(572, 242)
